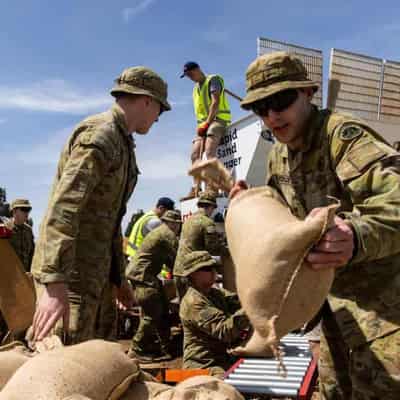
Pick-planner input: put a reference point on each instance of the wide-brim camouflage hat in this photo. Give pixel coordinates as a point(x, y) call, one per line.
point(272, 73)
point(196, 260)
point(208, 197)
point(142, 80)
point(20, 203)
point(172, 216)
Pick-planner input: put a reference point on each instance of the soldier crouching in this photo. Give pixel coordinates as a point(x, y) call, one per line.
point(212, 318)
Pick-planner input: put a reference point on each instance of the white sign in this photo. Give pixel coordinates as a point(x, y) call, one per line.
point(244, 149)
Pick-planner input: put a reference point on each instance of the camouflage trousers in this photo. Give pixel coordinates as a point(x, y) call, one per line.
point(153, 333)
point(369, 372)
point(93, 313)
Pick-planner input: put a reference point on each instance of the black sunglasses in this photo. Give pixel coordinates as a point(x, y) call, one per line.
point(210, 268)
point(278, 102)
point(27, 210)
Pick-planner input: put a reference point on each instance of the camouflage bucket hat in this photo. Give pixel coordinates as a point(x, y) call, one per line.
point(207, 197)
point(196, 260)
point(142, 80)
point(20, 203)
point(172, 216)
point(272, 73)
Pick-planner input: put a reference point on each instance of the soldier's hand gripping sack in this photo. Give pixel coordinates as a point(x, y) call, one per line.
point(278, 290)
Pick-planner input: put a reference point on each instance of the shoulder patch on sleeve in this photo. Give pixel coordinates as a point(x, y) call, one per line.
point(350, 131)
point(358, 159)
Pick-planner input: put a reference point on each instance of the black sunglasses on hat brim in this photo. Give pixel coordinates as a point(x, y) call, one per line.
point(278, 102)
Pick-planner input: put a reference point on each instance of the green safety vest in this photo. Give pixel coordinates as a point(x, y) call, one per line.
point(136, 237)
point(202, 102)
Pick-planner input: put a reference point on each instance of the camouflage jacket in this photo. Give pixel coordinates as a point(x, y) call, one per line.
point(211, 325)
point(23, 243)
point(344, 158)
point(81, 230)
point(158, 248)
point(199, 232)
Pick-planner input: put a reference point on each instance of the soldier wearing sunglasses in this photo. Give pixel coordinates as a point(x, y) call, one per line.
point(322, 154)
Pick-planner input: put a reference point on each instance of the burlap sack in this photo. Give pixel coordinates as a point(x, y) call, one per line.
point(228, 273)
point(144, 391)
point(213, 173)
point(17, 292)
point(96, 369)
point(201, 388)
point(12, 356)
point(277, 289)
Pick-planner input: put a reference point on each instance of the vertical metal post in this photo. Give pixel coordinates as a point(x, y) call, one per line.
point(381, 89)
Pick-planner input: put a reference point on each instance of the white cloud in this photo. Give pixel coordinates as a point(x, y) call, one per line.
point(52, 96)
point(46, 153)
point(140, 6)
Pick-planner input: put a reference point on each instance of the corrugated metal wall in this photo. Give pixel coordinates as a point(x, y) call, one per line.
point(311, 58)
point(366, 86)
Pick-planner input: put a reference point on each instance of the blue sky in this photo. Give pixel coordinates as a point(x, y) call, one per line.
point(59, 60)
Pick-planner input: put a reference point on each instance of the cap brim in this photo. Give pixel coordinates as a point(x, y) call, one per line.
point(261, 93)
point(183, 75)
point(124, 88)
point(200, 265)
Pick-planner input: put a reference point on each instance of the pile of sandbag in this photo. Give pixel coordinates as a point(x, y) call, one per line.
point(12, 356)
point(96, 369)
point(93, 370)
point(278, 290)
point(196, 388)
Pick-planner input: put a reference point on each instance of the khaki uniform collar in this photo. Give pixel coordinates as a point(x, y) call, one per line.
point(310, 131)
point(119, 117)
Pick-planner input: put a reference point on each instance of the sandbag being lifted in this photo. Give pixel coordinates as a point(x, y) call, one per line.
point(278, 290)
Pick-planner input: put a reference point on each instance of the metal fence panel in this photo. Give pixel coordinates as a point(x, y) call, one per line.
point(366, 86)
point(311, 58)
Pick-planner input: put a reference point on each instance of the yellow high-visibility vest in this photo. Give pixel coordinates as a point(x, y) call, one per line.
point(202, 102)
point(136, 236)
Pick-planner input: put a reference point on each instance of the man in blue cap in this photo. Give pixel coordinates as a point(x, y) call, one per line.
point(212, 113)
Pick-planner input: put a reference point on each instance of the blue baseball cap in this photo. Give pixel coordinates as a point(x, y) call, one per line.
point(165, 202)
point(190, 65)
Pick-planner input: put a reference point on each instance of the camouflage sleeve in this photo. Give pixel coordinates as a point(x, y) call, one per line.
point(212, 239)
point(85, 167)
point(369, 170)
point(212, 321)
point(32, 250)
point(271, 176)
point(118, 263)
point(232, 300)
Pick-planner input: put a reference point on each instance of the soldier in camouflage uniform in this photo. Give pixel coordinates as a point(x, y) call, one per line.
point(199, 232)
point(159, 247)
point(21, 240)
point(22, 236)
point(212, 318)
point(321, 153)
point(78, 261)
